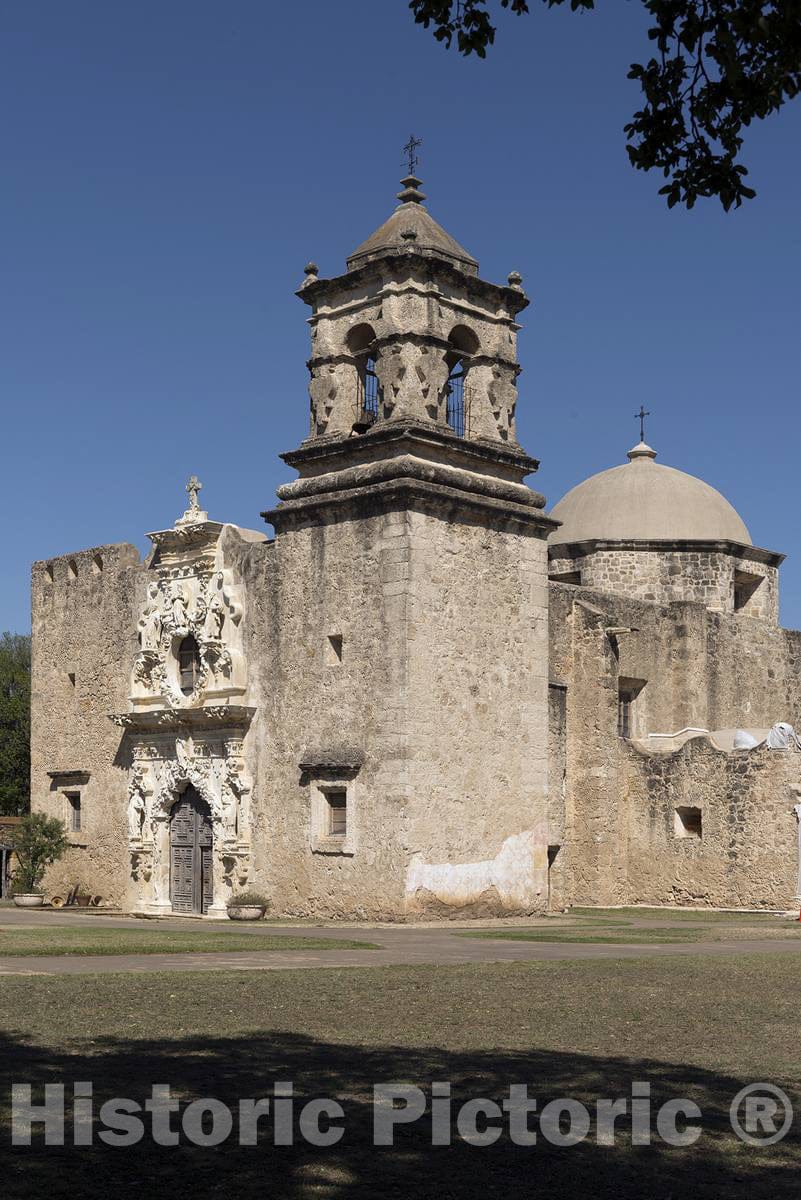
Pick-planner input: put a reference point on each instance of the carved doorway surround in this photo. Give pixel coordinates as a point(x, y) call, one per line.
point(191, 846)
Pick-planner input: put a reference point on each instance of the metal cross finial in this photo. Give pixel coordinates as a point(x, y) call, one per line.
point(409, 150)
point(640, 416)
point(193, 487)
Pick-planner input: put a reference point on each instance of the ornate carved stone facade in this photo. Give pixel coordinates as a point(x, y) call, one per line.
point(189, 734)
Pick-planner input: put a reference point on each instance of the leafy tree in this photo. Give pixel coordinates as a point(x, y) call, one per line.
point(15, 723)
point(718, 65)
point(38, 842)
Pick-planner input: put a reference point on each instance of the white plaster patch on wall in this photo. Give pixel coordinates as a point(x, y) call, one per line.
point(518, 872)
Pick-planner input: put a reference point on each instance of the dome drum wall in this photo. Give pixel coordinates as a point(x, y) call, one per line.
point(724, 577)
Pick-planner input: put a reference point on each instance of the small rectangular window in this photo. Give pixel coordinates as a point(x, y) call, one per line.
point(687, 823)
point(627, 692)
point(337, 802)
point(333, 650)
point(74, 811)
point(746, 587)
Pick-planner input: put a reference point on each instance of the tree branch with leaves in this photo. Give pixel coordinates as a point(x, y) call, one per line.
point(717, 66)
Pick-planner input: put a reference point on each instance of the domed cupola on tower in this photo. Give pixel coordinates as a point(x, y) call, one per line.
point(652, 532)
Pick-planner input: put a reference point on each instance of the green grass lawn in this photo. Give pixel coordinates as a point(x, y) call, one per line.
point(692, 1027)
point(50, 939)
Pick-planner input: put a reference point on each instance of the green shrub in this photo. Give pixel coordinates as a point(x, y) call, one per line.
point(252, 898)
point(39, 841)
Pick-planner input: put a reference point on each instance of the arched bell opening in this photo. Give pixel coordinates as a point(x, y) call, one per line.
point(361, 344)
point(463, 345)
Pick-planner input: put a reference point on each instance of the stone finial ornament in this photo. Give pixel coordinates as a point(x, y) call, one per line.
point(411, 193)
point(515, 280)
point(311, 272)
point(194, 514)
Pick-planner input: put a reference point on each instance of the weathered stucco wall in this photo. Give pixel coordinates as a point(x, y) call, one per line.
point(703, 669)
point(84, 641)
point(746, 855)
point(323, 579)
point(695, 669)
point(478, 713)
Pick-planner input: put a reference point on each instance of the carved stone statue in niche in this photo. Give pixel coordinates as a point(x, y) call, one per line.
point(179, 618)
point(150, 621)
point(137, 807)
point(215, 618)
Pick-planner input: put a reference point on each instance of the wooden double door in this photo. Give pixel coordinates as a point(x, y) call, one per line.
point(191, 843)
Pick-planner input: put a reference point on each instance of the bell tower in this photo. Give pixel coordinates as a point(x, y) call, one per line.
point(411, 568)
point(410, 332)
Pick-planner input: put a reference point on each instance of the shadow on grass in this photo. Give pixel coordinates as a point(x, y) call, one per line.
point(233, 1068)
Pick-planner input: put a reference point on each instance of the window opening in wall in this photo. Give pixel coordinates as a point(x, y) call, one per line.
point(49, 571)
point(687, 822)
point(565, 577)
point(74, 811)
point(72, 569)
point(189, 664)
point(745, 587)
point(334, 649)
point(97, 564)
point(337, 814)
point(71, 677)
point(627, 692)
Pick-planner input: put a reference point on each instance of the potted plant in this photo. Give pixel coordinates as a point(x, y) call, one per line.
point(39, 842)
point(247, 906)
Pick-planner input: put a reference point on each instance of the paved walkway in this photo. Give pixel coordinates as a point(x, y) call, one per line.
point(399, 945)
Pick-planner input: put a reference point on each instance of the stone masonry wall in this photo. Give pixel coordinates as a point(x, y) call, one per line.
point(704, 576)
point(84, 641)
point(323, 579)
point(478, 714)
point(747, 853)
point(697, 669)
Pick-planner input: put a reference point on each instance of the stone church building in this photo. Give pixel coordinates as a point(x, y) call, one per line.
point(423, 693)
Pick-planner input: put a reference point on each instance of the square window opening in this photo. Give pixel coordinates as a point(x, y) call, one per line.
point(746, 587)
point(687, 822)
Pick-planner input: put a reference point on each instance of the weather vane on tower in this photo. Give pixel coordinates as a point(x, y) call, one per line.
point(409, 150)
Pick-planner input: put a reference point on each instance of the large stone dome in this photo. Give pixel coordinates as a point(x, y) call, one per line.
point(643, 501)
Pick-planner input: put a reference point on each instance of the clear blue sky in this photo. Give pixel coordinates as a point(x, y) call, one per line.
point(169, 167)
